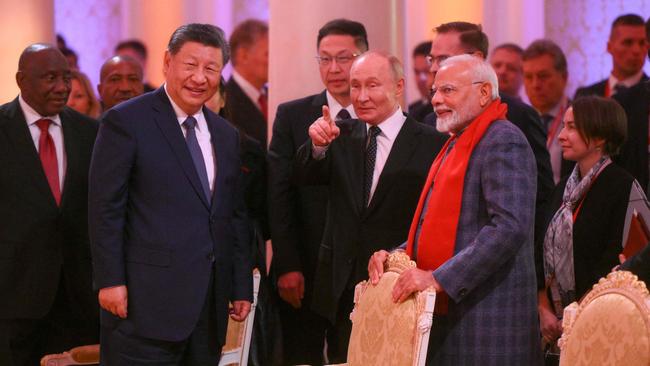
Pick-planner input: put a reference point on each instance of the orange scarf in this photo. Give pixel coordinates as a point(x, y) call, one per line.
point(438, 233)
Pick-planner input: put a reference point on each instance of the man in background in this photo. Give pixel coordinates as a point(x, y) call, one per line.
point(297, 214)
point(507, 63)
point(246, 93)
point(423, 79)
point(120, 79)
point(628, 47)
point(135, 49)
point(545, 78)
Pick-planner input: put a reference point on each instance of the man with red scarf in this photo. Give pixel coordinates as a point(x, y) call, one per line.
point(472, 232)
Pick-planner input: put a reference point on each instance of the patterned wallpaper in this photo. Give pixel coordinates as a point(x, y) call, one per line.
point(91, 28)
point(581, 28)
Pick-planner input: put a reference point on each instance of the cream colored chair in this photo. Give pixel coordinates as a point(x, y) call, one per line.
point(383, 332)
point(84, 355)
point(238, 336)
point(610, 326)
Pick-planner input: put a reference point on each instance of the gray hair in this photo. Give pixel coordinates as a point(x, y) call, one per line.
point(395, 65)
point(480, 69)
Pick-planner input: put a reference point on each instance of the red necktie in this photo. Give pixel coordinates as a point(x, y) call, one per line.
point(263, 102)
point(47, 153)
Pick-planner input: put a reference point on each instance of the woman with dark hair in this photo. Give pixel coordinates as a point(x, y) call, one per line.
point(585, 235)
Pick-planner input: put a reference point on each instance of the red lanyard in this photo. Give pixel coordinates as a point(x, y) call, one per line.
point(582, 200)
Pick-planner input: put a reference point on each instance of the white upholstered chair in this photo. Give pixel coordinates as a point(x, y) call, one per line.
point(383, 332)
point(238, 336)
point(610, 326)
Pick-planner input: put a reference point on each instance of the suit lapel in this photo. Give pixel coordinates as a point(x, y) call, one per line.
point(220, 158)
point(26, 154)
point(400, 154)
point(166, 120)
point(71, 140)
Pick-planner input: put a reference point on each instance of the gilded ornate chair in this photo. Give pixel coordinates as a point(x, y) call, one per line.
point(386, 333)
point(238, 336)
point(610, 326)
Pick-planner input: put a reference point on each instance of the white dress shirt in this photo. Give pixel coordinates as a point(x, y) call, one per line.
point(335, 107)
point(55, 130)
point(629, 82)
point(202, 135)
point(389, 130)
point(251, 92)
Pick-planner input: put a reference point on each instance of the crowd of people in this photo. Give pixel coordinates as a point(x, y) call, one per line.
point(134, 219)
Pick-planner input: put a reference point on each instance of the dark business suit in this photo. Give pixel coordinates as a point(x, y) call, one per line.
point(599, 88)
point(634, 152)
point(598, 227)
point(45, 268)
point(527, 120)
point(153, 229)
point(420, 109)
point(639, 265)
point(297, 219)
point(354, 232)
point(245, 113)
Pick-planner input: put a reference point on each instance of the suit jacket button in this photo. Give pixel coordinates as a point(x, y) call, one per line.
point(462, 292)
point(211, 257)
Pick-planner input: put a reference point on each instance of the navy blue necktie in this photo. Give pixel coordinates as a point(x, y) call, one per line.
point(371, 157)
point(197, 155)
point(343, 114)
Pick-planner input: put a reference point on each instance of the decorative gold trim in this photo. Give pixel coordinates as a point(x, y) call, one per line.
point(617, 282)
point(398, 261)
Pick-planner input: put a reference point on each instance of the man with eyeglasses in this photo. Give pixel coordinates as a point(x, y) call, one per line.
point(297, 214)
point(375, 168)
point(457, 38)
point(471, 232)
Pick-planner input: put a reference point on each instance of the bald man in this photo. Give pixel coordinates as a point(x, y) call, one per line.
point(45, 271)
point(120, 79)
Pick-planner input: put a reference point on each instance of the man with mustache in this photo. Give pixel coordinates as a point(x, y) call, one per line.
point(120, 79)
point(471, 234)
point(47, 305)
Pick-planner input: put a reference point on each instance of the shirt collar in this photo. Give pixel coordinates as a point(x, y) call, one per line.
point(391, 126)
point(629, 82)
point(181, 116)
point(31, 116)
point(248, 88)
point(335, 107)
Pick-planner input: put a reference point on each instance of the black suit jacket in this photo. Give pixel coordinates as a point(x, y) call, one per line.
point(634, 152)
point(152, 227)
point(42, 244)
point(597, 230)
point(639, 265)
point(244, 113)
point(354, 232)
point(598, 88)
point(420, 109)
point(297, 214)
point(528, 121)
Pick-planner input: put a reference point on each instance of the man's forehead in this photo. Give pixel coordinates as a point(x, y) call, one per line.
point(629, 31)
point(446, 43)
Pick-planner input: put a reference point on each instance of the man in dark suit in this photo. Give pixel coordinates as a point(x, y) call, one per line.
point(458, 38)
point(167, 220)
point(48, 305)
point(423, 79)
point(628, 46)
point(120, 79)
point(298, 213)
point(246, 94)
point(375, 171)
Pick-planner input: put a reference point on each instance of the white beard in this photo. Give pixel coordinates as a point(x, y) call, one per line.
point(449, 123)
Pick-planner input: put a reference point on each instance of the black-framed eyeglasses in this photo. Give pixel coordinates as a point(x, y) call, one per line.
point(448, 90)
point(340, 59)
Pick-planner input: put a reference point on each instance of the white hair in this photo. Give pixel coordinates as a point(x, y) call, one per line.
point(480, 70)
